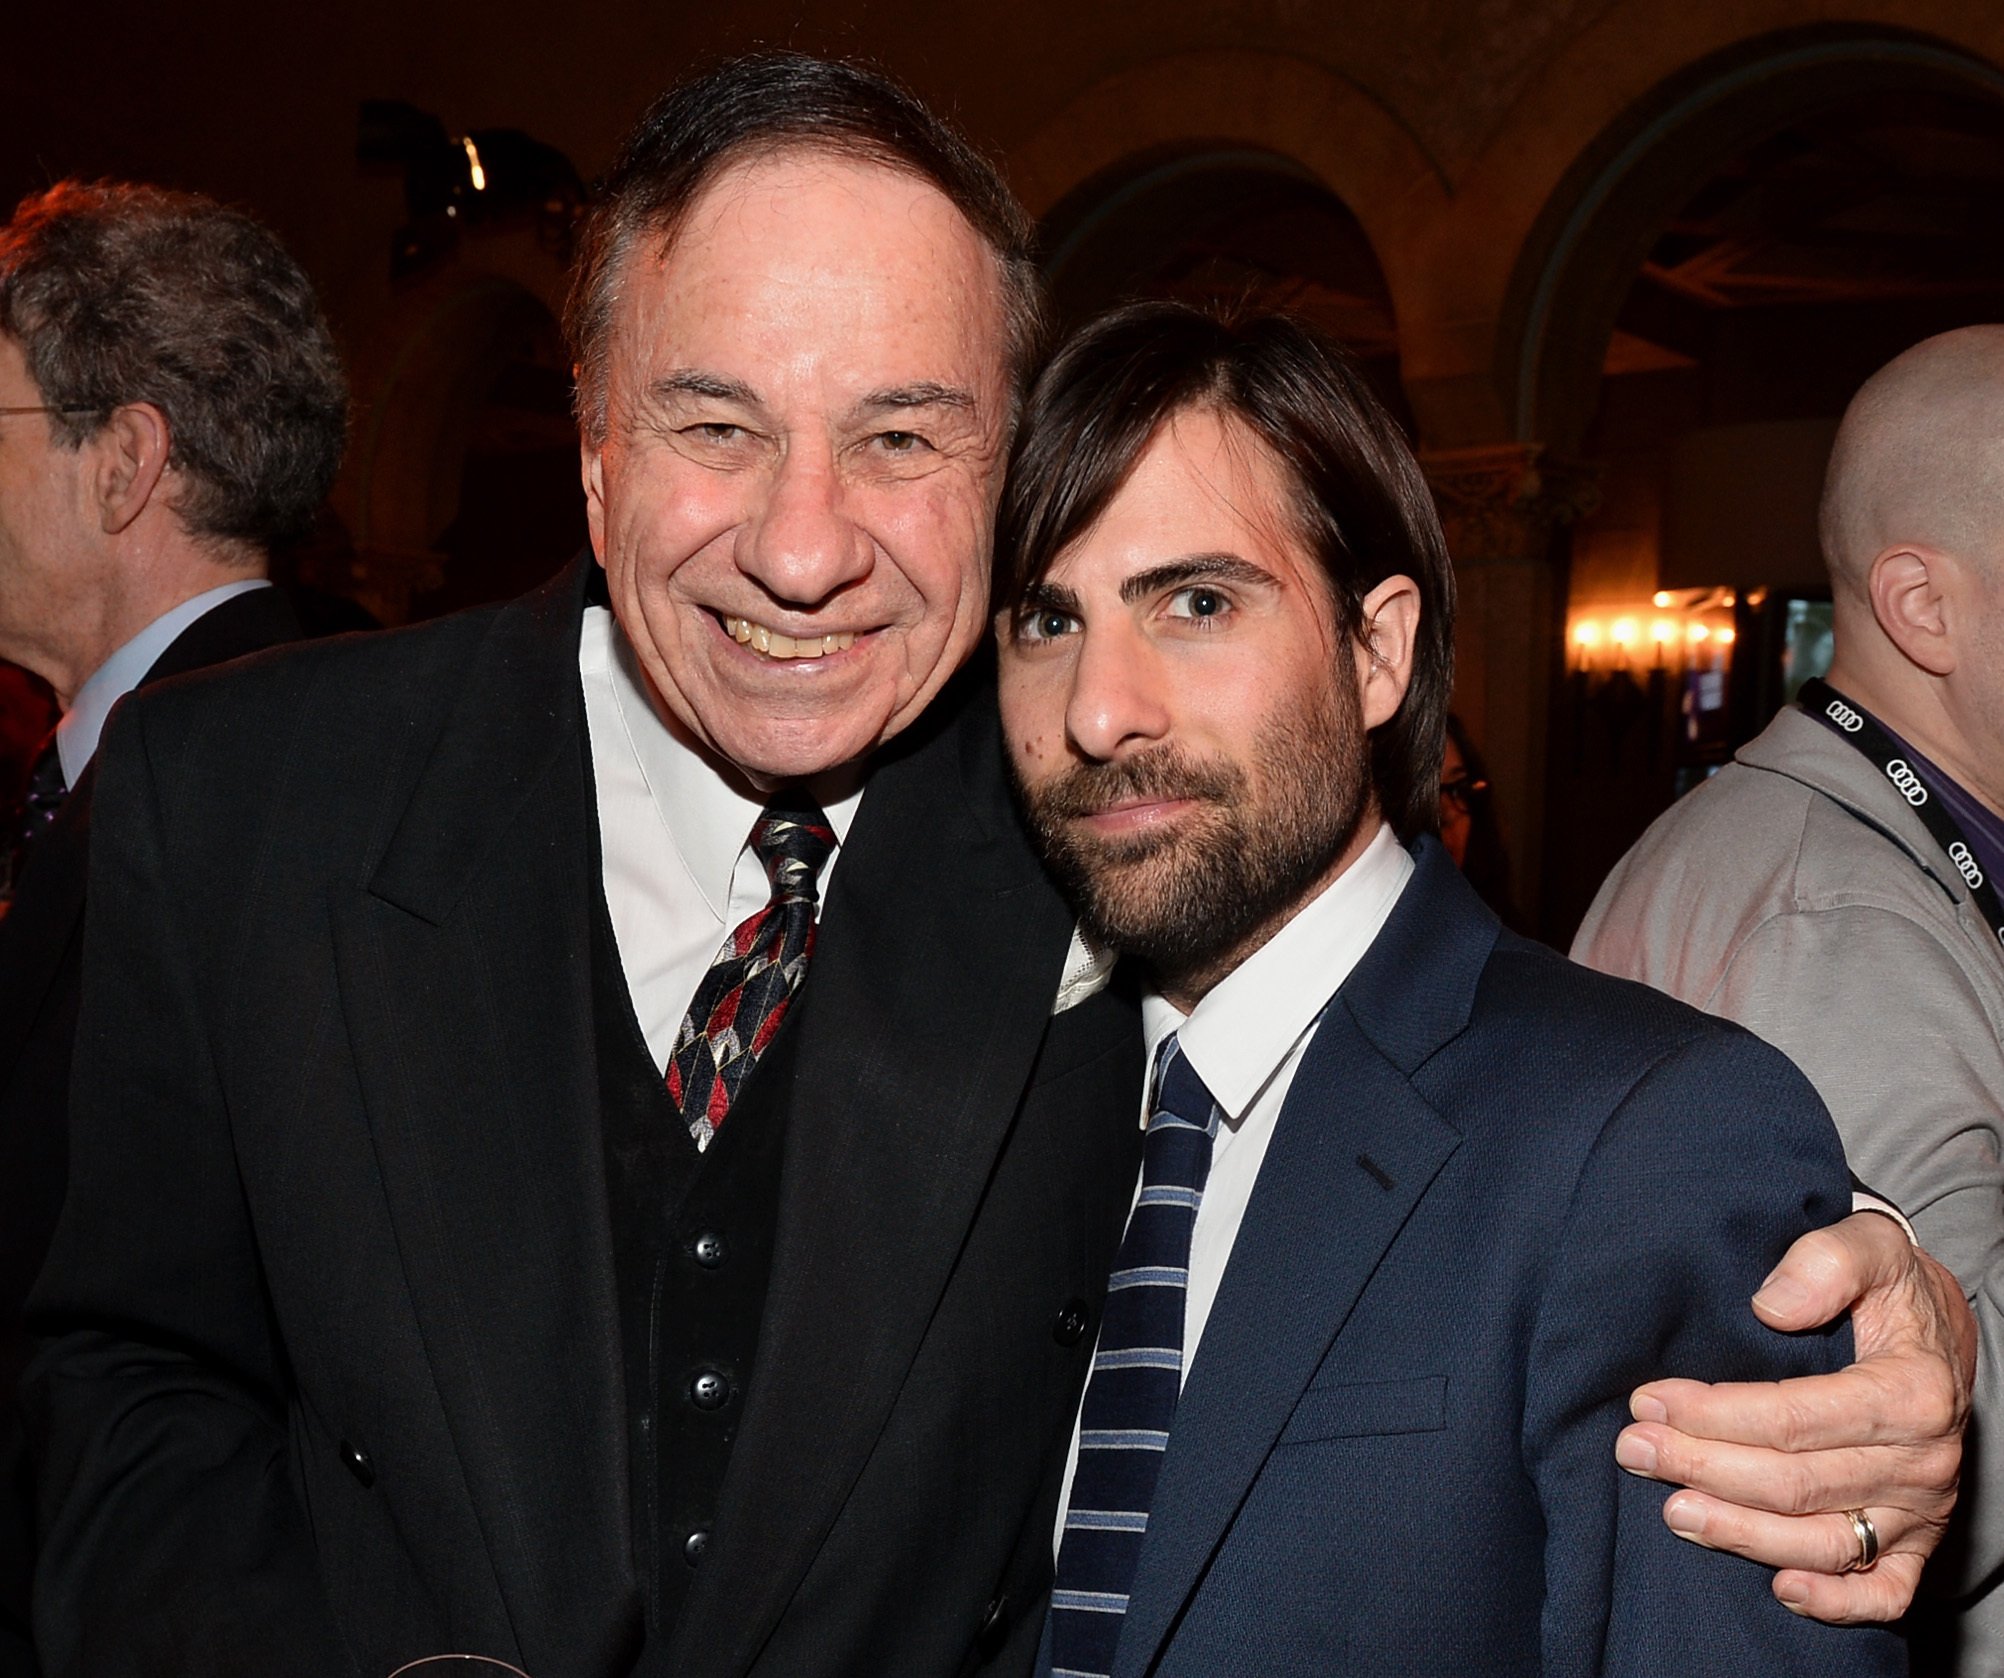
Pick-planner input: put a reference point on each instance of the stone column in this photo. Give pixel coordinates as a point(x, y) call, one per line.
point(1502, 506)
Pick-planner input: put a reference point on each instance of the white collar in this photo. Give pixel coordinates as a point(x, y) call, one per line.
point(709, 815)
point(1248, 1024)
point(77, 734)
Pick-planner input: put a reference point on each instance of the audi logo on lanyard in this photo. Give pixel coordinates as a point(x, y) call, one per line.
point(1820, 699)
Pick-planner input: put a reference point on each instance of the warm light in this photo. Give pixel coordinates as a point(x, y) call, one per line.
point(1728, 598)
point(1725, 637)
point(473, 163)
point(1697, 633)
point(1660, 600)
point(1623, 633)
point(1587, 633)
point(1662, 630)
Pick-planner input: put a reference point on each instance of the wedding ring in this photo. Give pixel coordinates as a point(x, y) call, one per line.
point(1868, 1540)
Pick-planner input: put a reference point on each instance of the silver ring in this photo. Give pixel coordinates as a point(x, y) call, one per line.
point(1868, 1541)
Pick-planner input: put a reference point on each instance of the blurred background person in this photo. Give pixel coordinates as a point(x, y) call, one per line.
point(1835, 888)
point(171, 406)
point(1468, 826)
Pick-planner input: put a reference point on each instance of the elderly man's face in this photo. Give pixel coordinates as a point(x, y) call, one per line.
point(46, 516)
point(807, 398)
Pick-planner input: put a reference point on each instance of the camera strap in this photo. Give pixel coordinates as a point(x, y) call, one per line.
point(1887, 755)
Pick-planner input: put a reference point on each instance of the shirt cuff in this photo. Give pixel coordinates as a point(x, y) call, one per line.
point(1864, 1201)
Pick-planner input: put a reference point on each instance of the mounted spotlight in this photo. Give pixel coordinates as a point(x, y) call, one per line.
point(489, 176)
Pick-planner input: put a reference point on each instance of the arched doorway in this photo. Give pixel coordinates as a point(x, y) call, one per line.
point(1221, 224)
point(1724, 269)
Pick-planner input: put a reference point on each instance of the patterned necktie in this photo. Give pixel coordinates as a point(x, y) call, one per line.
point(46, 791)
point(744, 996)
point(1137, 1376)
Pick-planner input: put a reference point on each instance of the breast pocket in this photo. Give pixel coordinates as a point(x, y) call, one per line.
point(1369, 1407)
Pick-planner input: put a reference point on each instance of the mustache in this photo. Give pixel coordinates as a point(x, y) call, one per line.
point(1085, 789)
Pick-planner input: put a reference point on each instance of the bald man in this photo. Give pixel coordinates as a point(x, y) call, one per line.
point(1835, 888)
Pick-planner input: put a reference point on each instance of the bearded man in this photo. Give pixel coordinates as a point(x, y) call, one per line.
point(1420, 1201)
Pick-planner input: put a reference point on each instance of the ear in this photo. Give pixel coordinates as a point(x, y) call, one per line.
point(131, 458)
point(1387, 632)
point(1909, 588)
point(592, 467)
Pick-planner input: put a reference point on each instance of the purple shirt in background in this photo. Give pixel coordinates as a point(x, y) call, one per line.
point(1981, 826)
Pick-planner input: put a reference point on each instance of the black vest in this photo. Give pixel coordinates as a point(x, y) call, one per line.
point(692, 1237)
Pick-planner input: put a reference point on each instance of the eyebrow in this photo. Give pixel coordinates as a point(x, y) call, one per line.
point(690, 382)
point(1195, 568)
point(1051, 597)
point(925, 394)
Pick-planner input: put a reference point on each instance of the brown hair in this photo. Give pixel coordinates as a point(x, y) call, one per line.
point(1361, 506)
point(120, 294)
point(770, 102)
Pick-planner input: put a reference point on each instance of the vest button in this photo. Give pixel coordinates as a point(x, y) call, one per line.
point(359, 1464)
point(708, 1249)
point(1070, 1326)
point(694, 1546)
point(991, 1620)
point(709, 1390)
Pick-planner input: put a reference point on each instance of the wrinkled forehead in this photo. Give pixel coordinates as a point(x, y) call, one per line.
point(813, 262)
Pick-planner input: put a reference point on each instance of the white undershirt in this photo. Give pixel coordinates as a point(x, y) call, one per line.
point(1245, 1039)
point(77, 734)
point(674, 835)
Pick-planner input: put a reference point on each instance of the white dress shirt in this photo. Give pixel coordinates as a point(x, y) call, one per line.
point(674, 834)
point(1245, 1039)
point(77, 734)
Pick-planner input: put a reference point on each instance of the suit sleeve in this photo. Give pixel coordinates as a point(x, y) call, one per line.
point(1883, 1020)
point(173, 1541)
point(1716, 1160)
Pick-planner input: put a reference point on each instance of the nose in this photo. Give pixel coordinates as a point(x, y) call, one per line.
point(802, 545)
point(1119, 700)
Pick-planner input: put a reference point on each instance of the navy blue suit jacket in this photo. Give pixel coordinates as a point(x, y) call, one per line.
point(1503, 1192)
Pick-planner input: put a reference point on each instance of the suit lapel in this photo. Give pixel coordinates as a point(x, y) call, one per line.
point(465, 980)
point(937, 962)
point(1319, 1221)
point(46, 916)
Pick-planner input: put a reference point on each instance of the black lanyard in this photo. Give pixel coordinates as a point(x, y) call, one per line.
point(1885, 755)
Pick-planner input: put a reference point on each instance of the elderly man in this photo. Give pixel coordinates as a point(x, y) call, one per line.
point(616, 1167)
point(1836, 889)
point(170, 406)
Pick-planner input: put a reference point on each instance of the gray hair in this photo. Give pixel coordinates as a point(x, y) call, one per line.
point(120, 294)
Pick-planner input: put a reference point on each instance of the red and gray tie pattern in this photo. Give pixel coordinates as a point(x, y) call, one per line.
point(744, 996)
point(1137, 1377)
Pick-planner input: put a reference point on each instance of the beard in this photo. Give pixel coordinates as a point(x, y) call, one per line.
point(1197, 895)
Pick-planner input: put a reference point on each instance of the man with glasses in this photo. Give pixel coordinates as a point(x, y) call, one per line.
point(171, 405)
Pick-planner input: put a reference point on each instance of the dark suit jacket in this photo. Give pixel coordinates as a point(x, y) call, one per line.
point(339, 1188)
point(41, 947)
point(1503, 1192)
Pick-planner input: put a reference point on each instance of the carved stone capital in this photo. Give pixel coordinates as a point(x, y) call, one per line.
point(1500, 501)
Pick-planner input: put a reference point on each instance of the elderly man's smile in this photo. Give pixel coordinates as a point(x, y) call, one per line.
point(771, 643)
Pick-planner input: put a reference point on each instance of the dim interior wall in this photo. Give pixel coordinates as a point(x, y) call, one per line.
point(1445, 126)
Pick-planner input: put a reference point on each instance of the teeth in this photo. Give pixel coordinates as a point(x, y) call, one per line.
point(775, 645)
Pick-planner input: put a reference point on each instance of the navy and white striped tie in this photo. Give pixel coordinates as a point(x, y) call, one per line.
point(1137, 1375)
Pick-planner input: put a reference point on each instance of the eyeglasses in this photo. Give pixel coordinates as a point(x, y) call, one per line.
point(1465, 791)
point(71, 408)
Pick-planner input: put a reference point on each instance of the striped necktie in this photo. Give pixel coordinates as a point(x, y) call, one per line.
point(1137, 1376)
